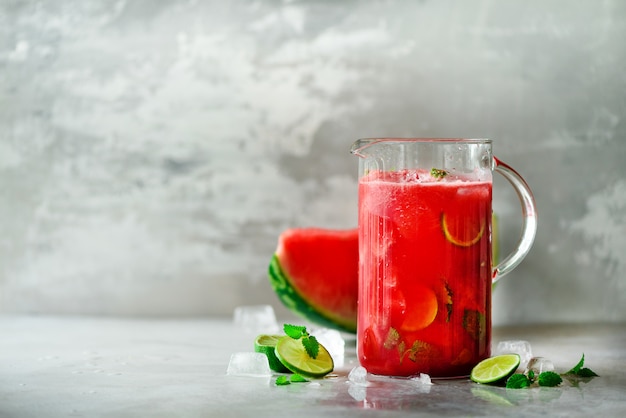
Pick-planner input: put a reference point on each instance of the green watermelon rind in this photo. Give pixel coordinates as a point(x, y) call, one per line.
point(296, 303)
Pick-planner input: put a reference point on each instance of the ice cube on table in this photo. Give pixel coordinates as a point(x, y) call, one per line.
point(248, 364)
point(333, 342)
point(358, 376)
point(256, 319)
point(520, 347)
point(423, 379)
point(423, 382)
point(539, 365)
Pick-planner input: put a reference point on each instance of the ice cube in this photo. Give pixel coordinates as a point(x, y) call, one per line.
point(520, 347)
point(423, 379)
point(256, 319)
point(248, 364)
point(334, 343)
point(423, 382)
point(358, 376)
point(539, 365)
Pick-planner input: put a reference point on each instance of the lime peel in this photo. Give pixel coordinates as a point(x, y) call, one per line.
point(266, 344)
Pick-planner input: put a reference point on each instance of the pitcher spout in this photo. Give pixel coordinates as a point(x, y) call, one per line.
point(359, 146)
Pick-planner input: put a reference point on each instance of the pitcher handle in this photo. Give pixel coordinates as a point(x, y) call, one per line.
point(529, 226)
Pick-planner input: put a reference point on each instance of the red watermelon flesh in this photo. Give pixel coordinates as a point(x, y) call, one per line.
point(321, 267)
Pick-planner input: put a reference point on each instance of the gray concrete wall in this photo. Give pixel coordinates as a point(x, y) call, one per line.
point(151, 152)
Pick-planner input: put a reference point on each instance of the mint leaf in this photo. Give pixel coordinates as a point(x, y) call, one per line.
point(586, 372)
point(578, 366)
point(549, 379)
point(311, 346)
point(448, 300)
point(517, 381)
point(310, 343)
point(531, 375)
point(295, 331)
point(438, 173)
point(581, 371)
point(392, 340)
point(296, 378)
point(282, 381)
point(419, 348)
point(475, 324)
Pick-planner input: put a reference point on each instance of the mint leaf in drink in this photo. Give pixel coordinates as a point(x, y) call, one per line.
point(392, 340)
point(475, 324)
point(438, 173)
point(549, 379)
point(311, 346)
point(448, 300)
point(295, 331)
point(419, 348)
point(517, 381)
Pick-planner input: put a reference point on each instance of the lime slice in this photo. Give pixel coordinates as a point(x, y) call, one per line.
point(496, 368)
point(292, 354)
point(460, 230)
point(266, 344)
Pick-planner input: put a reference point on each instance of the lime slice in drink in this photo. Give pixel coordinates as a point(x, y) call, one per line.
point(461, 230)
point(496, 368)
point(266, 344)
point(293, 355)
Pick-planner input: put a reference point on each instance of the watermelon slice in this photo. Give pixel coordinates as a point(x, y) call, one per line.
point(314, 272)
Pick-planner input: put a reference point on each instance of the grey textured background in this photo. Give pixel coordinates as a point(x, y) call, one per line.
point(151, 152)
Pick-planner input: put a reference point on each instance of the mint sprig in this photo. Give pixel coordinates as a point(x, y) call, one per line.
point(521, 381)
point(309, 342)
point(295, 331)
point(549, 378)
point(579, 370)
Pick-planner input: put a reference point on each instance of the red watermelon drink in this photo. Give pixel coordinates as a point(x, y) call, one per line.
point(425, 272)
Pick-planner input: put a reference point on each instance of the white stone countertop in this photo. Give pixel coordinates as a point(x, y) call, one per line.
point(95, 367)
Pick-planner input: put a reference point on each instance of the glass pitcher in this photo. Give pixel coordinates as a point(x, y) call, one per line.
point(425, 257)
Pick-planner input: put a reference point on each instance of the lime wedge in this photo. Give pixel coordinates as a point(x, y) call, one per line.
point(266, 344)
point(293, 355)
point(496, 368)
